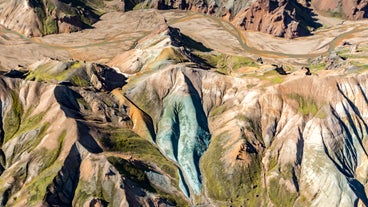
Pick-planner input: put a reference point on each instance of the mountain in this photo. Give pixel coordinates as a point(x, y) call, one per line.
point(177, 108)
point(42, 17)
point(342, 8)
point(289, 19)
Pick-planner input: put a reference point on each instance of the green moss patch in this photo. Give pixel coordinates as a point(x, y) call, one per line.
point(279, 195)
point(277, 191)
point(145, 154)
point(52, 155)
point(50, 26)
point(12, 118)
point(38, 186)
point(236, 186)
point(73, 72)
point(124, 140)
point(225, 63)
point(307, 105)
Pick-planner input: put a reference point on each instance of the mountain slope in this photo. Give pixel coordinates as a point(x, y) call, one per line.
point(280, 18)
point(342, 8)
point(173, 122)
point(42, 17)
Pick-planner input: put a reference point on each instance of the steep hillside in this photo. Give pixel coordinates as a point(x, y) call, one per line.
point(74, 146)
point(342, 8)
point(280, 18)
point(273, 142)
point(42, 17)
point(174, 108)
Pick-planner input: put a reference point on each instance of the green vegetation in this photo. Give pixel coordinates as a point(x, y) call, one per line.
point(238, 185)
point(38, 186)
point(30, 122)
point(218, 110)
point(79, 81)
point(279, 195)
point(124, 140)
point(302, 201)
point(19, 123)
point(48, 170)
point(141, 5)
point(273, 163)
point(12, 119)
point(336, 14)
point(361, 67)
point(172, 54)
point(35, 132)
point(135, 171)
point(276, 79)
point(277, 190)
point(83, 104)
point(359, 59)
point(307, 106)
point(273, 76)
point(225, 64)
point(50, 26)
point(317, 66)
point(81, 194)
point(132, 171)
point(52, 155)
point(85, 190)
point(50, 5)
point(45, 11)
point(29, 144)
point(57, 72)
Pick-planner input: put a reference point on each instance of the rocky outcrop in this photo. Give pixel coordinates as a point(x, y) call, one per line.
point(164, 46)
point(39, 17)
point(288, 19)
point(35, 18)
point(280, 18)
point(65, 154)
point(170, 132)
point(353, 10)
point(279, 142)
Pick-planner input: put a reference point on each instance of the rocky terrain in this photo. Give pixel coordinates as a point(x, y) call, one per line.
point(342, 8)
point(42, 17)
point(143, 108)
point(280, 18)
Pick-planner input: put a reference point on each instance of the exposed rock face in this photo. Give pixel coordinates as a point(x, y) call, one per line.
point(353, 10)
point(281, 141)
point(290, 18)
point(19, 16)
point(56, 158)
point(170, 132)
point(280, 18)
point(35, 18)
point(285, 138)
point(164, 46)
point(39, 17)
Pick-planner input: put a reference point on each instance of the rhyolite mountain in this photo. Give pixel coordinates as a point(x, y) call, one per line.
point(172, 121)
point(281, 18)
point(42, 17)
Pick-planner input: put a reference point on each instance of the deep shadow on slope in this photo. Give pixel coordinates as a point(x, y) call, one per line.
point(62, 189)
point(67, 99)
